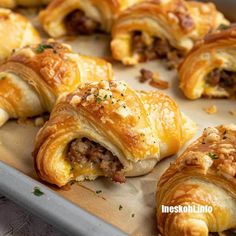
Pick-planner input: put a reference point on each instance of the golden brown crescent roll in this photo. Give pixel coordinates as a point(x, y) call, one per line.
point(74, 17)
point(24, 3)
point(16, 31)
point(202, 178)
point(161, 29)
point(209, 69)
point(34, 76)
point(109, 129)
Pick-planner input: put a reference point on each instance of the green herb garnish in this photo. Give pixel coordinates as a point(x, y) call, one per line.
point(98, 191)
point(99, 100)
point(37, 192)
point(212, 155)
point(223, 27)
point(42, 47)
point(120, 207)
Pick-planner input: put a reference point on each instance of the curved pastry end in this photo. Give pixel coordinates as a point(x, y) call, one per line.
point(4, 116)
point(189, 128)
point(201, 181)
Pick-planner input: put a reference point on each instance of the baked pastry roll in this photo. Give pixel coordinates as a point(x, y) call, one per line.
point(209, 69)
point(203, 177)
point(161, 29)
point(108, 129)
point(24, 3)
point(7, 3)
point(74, 17)
point(35, 76)
point(16, 31)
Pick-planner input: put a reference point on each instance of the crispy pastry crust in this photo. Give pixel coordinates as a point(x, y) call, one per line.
point(17, 32)
point(204, 175)
point(215, 51)
point(34, 76)
point(25, 3)
point(137, 127)
point(101, 11)
point(180, 23)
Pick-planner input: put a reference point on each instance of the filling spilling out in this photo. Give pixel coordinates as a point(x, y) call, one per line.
point(150, 48)
point(78, 23)
point(83, 152)
point(222, 80)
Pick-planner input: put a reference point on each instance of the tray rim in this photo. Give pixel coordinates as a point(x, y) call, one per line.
point(50, 207)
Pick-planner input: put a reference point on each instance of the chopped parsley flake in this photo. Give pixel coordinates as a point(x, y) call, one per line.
point(37, 192)
point(42, 47)
point(98, 191)
point(120, 207)
point(99, 100)
point(223, 27)
point(212, 155)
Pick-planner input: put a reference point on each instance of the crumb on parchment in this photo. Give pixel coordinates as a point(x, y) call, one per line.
point(233, 113)
point(25, 121)
point(153, 79)
point(39, 121)
point(211, 110)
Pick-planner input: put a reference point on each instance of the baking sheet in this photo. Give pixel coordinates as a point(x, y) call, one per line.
point(129, 206)
point(51, 207)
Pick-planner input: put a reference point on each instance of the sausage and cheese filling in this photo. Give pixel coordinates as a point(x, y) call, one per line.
point(78, 23)
point(150, 48)
point(222, 79)
point(83, 151)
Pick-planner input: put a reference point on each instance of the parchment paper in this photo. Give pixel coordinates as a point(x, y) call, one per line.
point(129, 206)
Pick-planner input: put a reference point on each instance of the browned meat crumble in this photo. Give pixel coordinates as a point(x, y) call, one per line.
point(85, 151)
point(78, 23)
point(223, 79)
point(159, 48)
